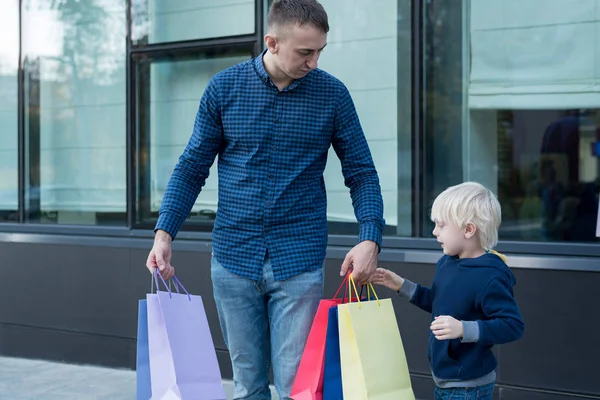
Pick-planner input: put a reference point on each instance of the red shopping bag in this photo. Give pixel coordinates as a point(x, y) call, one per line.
point(308, 384)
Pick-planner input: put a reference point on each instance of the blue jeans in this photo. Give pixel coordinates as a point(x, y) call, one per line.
point(485, 392)
point(265, 323)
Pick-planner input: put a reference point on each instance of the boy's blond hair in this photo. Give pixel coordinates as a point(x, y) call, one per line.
point(470, 202)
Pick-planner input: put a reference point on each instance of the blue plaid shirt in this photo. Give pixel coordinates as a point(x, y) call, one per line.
point(272, 146)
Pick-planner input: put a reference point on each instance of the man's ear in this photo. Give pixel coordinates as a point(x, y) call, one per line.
point(470, 230)
point(271, 42)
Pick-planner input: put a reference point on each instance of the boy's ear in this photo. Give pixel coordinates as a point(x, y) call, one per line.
point(470, 230)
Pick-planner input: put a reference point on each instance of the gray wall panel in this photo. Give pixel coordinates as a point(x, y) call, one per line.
point(73, 288)
point(71, 347)
point(558, 350)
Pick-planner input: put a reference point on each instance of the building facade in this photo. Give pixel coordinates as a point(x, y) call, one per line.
point(98, 99)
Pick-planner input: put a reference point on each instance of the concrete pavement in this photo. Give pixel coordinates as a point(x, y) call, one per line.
point(22, 379)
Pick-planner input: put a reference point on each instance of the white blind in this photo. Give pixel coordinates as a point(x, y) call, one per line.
point(534, 54)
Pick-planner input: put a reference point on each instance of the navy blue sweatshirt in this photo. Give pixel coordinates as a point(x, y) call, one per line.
point(479, 290)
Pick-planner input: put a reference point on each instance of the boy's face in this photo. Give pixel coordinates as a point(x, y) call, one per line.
point(453, 240)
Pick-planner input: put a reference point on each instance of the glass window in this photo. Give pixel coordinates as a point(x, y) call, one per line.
point(512, 100)
point(74, 67)
point(157, 21)
point(361, 32)
point(9, 153)
point(167, 98)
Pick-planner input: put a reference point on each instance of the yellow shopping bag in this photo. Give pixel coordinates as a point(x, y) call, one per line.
point(371, 352)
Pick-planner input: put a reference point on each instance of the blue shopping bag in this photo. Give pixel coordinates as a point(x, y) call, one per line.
point(143, 388)
point(332, 372)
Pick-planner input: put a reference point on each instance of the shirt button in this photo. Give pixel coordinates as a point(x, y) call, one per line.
point(271, 177)
point(276, 120)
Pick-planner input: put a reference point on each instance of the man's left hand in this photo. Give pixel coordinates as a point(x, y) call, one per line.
point(362, 261)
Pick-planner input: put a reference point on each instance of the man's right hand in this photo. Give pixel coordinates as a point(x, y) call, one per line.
point(160, 255)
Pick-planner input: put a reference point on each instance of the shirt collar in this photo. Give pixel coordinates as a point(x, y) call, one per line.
point(259, 67)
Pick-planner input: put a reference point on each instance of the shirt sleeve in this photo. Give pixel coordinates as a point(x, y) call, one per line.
point(359, 172)
point(192, 169)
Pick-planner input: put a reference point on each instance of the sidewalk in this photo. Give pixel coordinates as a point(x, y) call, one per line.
point(22, 379)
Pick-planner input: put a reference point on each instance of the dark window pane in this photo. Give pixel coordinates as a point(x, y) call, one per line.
point(548, 174)
point(443, 85)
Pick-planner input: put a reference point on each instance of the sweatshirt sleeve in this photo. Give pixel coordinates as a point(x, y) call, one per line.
point(421, 297)
point(503, 322)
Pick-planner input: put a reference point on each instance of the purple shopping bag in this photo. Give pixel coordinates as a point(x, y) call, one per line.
point(183, 361)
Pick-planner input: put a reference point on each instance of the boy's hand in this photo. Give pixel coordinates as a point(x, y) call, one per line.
point(445, 327)
point(387, 278)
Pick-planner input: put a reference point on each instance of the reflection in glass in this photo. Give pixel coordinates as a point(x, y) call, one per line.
point(505, 111)
point(551, 175)
point(361, 32)
point(168, 96)
point(158, 21)
point(74, 65)
point(9, 62)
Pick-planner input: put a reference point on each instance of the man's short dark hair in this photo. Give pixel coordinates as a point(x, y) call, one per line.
point(298, 12)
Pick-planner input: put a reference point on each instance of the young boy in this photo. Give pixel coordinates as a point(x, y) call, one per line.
point(471, 298)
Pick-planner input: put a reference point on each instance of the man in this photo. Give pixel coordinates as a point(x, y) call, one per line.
point(271, 121)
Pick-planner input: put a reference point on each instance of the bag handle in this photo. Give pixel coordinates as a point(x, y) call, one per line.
point(369, 288)
point(340, 288)
point(175, 280)
point(345, 281)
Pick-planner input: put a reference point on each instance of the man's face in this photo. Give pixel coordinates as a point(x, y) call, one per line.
point(298, 49)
